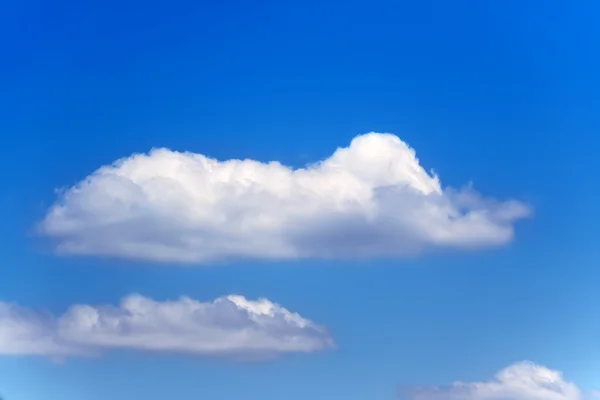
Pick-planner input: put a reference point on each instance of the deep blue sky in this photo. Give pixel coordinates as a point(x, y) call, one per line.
point(503, 94)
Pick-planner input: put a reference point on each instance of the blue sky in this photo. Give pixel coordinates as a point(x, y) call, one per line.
point(503, 96)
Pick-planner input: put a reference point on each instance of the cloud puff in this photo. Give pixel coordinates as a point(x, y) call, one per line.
point(229, 326)
point(520, 381)
point(24, 331)
point(370, 199)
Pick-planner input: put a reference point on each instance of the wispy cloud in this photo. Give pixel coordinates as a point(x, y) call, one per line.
point(229, 326)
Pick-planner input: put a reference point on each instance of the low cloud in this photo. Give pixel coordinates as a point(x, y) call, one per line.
point(370, 199)
point(520, 381)
point(229, 326)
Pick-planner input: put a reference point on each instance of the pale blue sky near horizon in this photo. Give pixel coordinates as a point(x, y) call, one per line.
point(501, 94)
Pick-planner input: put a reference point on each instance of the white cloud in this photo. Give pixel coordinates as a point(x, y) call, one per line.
point(520, 381)
point(24, 331)
point(366, 200)
point(229, 326)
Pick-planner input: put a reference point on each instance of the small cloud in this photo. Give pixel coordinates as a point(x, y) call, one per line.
point(370, 199)
point(520, 381)
point(230, 326)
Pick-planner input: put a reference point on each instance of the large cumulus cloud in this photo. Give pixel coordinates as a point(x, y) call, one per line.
point(230, 326)
point(369, 199)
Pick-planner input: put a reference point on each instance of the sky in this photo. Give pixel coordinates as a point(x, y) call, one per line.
point(299, 200)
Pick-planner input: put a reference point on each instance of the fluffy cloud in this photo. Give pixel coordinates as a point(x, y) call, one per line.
point(229, 326)
point(367, 200)
point(521, 381)
point(24, 331)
